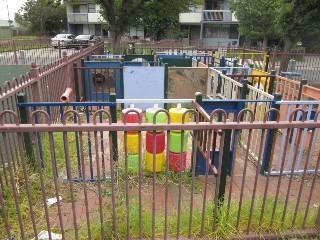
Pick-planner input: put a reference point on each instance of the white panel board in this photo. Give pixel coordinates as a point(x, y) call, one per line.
point(143, 83)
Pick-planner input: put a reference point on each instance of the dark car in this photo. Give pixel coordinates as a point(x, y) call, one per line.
point(83, 40)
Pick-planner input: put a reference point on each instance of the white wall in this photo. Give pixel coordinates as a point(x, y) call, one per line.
point(143, 83)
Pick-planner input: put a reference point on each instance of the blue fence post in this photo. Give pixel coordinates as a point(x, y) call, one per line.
point(270, 137)
point(199, 101)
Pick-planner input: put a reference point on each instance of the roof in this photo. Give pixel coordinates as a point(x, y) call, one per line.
point(5, 23)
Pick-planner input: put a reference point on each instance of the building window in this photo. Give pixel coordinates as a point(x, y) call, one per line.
point(91, 8)
point(76, 9)
point(234, 34)
point(216, 31)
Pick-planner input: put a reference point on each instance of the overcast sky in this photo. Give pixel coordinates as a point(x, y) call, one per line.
point(13, 6)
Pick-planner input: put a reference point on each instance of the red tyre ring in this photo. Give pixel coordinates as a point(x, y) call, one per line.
point(160, 142)
point(132, 117)
point(174, 161)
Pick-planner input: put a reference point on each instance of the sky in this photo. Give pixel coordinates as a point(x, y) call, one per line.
point(13, 6)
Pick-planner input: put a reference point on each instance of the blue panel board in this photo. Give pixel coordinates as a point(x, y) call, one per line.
point(99, 95)
point(201, 163)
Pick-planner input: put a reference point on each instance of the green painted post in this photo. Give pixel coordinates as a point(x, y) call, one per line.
point(224, 166)
point(166, 83)
point(198, 60)
point(222, 62)
point(26, 136)
point(267, 61)
point(113, 112)
point(269, 144)
point(235, 64)
point(272, 80)
point(76, 81)
point(199, 98)
point(244, 90)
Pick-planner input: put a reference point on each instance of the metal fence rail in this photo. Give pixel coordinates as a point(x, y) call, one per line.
point(142, 204)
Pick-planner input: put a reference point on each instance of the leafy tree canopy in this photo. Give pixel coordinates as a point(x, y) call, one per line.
point(288, 19)
point(158, 16)
point(257, 18)
point(43, 17)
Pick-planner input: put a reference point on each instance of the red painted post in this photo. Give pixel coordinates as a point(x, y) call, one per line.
point(36, 93)
point(68, 80)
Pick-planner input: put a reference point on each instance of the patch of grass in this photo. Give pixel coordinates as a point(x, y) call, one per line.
point(35, 187)
point(225, 225)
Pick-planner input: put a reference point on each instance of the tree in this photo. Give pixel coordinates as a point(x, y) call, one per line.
point(161, 18)
point(256, 18)
point(121, 14)
point(296, 18)
point(43, 17)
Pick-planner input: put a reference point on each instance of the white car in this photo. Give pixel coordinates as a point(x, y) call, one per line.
point(65, 40)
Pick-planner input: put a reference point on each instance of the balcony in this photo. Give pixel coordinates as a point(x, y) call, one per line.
point(77, 17)
point(225, 16)
point(190, 18)
point(84, 18)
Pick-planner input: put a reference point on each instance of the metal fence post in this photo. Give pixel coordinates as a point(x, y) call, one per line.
point(302, 83)
point(15, 52)
point(166, 83)
point(36, 93)
point(26, 136)
point(224, 166)
point(199, 101)
point(235, 64)
point(76, 81)
point(274, 58)
point(113, 112)
point(267, 62)
point(271, 83)
point(222, 62)
point(244, 90)
point(270, 137)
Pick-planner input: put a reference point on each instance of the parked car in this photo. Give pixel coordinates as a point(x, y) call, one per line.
point(66, 40)
point(83, 40)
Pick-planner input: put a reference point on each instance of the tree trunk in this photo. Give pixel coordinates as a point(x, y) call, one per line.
point(116, 43)
point(285, 58)
point(264, 44)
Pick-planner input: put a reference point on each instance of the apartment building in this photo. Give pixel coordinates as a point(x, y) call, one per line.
point(84, 18)
point(212, 23)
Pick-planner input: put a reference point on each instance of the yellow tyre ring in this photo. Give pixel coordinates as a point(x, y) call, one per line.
point(132, 143)
point(176, 116)
point(159, 161)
